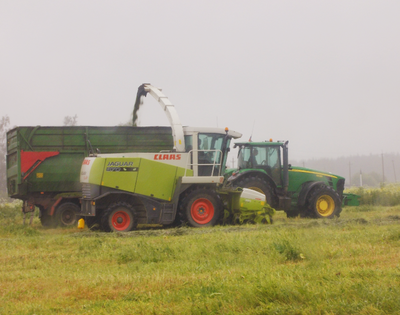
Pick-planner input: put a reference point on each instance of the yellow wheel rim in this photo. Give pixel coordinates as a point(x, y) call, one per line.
point(257, 189)
point(325, 205)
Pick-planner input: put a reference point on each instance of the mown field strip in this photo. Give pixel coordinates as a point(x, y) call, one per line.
point(348, 265)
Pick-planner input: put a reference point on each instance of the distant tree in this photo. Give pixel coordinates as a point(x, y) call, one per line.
point(70, 121)
point(4, 123)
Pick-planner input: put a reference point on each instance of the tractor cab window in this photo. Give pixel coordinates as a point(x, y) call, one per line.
point(261, 157)
point(273, 161)
point(209, 153)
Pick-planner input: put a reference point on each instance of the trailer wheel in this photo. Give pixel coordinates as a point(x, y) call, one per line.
point(66, 214)
point(119, 217)
point(324, 202)
point(201, 207)
point(258, 184)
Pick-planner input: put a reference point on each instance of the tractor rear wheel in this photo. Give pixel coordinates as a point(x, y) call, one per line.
point(66, 214)
point(324, 202)
point(119, 217)
point(201, 208)
point(258, 184)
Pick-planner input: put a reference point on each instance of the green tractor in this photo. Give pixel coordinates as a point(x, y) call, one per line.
point(264, 167)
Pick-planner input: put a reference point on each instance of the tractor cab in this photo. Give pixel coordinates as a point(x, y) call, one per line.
point(270, 157)
point(267, 158)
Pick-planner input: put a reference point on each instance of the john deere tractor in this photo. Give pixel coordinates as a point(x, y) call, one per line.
point(264, 167)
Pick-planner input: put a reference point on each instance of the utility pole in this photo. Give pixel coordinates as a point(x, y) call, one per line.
point(350, 173)
point(394, 171)
point(361, 183)
point(383, 172)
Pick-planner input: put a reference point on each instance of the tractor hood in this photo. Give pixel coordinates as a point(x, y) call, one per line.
point(300, 176)
point(311, 172)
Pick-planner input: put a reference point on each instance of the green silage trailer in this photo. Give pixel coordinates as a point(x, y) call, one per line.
point(44, 163)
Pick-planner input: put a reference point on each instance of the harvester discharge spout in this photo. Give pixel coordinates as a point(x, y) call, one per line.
point(169, 109)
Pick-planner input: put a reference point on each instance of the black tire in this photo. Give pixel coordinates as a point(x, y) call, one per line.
point(119, 217)
point(201, 208)
point(323, 202)
point(66, 214)
point(258, 184)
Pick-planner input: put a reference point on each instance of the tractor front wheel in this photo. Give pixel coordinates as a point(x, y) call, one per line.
point(201, 208)
point(119, 217)
point(324, 202)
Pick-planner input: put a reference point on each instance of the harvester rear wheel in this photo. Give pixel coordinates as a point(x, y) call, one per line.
point(201, 207)
point(66, 214)
point(119, 217)
point(258, 184)
point(324, 202)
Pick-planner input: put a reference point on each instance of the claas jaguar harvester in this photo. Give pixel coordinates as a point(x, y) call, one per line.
point(184, 184)
point(264, 167)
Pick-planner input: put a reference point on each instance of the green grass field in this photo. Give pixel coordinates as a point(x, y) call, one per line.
point(348, 265)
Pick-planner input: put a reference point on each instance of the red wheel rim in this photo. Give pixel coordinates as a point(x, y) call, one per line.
point(202, 211)
point(120, 220)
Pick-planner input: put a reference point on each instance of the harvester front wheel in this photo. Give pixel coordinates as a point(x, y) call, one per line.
point(119, 217)
point(324, 202)
point(66, 214)
point(202, 208)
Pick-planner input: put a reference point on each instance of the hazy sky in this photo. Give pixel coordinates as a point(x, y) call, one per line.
point(324, 75)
